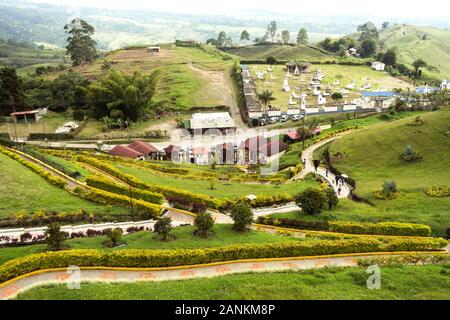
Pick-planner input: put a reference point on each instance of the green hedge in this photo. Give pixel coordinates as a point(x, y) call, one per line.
point(381, 228)
point(138, 183)
point(166, 258)
point(270, 200)
point(110, 186)
point(43, 173)
point(145, 210)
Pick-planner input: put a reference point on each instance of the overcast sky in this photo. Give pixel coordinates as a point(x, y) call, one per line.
point(384, 8)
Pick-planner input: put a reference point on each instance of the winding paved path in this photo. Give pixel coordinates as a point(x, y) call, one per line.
point(10, 289)
point(308, 155)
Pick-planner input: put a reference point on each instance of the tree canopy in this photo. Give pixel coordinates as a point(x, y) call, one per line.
point(11, 91)
point(302, 37)
point(81, 46)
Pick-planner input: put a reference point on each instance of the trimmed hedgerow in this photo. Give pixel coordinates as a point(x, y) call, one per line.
point(138, 183)
point(167, 258)
point(145, 210)
point(110, 186)
point(43, 173)
point(381, 228)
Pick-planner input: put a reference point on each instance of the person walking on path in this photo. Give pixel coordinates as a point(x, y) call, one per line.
point(326, 173)
point(339, 191)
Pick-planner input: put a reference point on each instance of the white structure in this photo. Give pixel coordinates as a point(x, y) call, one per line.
point(318, 75)
point(330, 109)
point(316, 92)
point(321, 100)
point(292, 102)
point(311, 110)
point(352, 51)
point(68, 127)
point(216, 120)
point(378, 66)
point(296, 71)
point(154, 49)
point(445, 85)
point(286, 86)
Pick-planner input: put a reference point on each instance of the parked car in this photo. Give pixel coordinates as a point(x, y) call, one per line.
point(284, 118)
point(297, 117)
point(274, 120)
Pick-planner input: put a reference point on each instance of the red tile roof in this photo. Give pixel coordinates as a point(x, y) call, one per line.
point(143, 147)
point(255, 143)
point(273, 148)
point(172, 148)
point(293, 135)
point(123, 151)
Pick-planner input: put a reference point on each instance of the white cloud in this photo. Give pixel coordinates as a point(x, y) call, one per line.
point(385, 8)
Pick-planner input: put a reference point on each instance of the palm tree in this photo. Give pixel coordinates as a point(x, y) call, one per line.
point(265, 97)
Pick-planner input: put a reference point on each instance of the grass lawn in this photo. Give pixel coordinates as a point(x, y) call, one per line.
point(370, 156)
point(224, 235)
point(430, 282)
point(230, 190)
point(22, 189)
point(408, 207)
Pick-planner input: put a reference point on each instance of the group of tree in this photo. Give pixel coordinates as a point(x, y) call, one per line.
point(12, 97)
point(339, 46)
point(313, 201)
point(271, 36)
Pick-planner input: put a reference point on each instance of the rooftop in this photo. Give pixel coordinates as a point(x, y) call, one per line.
point(216, 120)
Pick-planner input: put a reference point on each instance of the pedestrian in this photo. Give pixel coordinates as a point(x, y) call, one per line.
point(326, 173)
point(339, 191)
point(336, 178)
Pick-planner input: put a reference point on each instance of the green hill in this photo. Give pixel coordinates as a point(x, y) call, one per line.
point(371, 156)
point(280, 52)
point(430, 44)
point(27, 57)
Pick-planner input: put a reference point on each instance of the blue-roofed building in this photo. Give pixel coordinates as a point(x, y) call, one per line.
point(378, 94)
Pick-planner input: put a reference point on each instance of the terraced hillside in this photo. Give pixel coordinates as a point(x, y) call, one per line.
point(430, 44)
point(280, 52)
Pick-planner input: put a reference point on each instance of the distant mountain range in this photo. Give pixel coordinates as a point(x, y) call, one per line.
point(43, 23)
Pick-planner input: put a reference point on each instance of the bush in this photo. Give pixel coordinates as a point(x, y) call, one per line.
point(114, 236)
point(78, 115)
point(110, 186)
point(381, 228)
point(311, 200)
point(144, 209)
point(163, 227)
point(388, 191)
point(410, 155)
point(138, 183)
point(438, 191)
point(167, 258)
point(55, 237)
point(204, 223)
point(413, 259)
point(332, 199)
point(269, 200)
point(242, 215)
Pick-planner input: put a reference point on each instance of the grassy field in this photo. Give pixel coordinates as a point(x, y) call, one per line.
point(280, 52)
point(411, 45)
point(49, 123)
point(430, 282)
point(370, 156)
point(224, 235)
point(360, 75)
point(229, 190)
point(22, 189)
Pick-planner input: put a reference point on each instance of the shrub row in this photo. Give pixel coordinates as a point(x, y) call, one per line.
point(145, 210)
point(427, 258)
point(438, 191)
point(110, 186)
point(270, 200)
point(42, 217)
point(43, 173)
point(381, 228)
point(137, 183)
point(166, 258)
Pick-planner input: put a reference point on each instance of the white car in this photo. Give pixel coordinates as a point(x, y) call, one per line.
point(297, 117)
point(284, 118)
point(274, 120)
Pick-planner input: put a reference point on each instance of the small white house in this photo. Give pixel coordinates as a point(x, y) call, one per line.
point(445, 85)
point(378, 66)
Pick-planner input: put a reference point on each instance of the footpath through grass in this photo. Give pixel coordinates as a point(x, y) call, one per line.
point(430, 282)
point(224, 235)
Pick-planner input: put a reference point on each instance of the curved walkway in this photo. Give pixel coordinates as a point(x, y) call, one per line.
point(73, 276)
point(308, 155)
